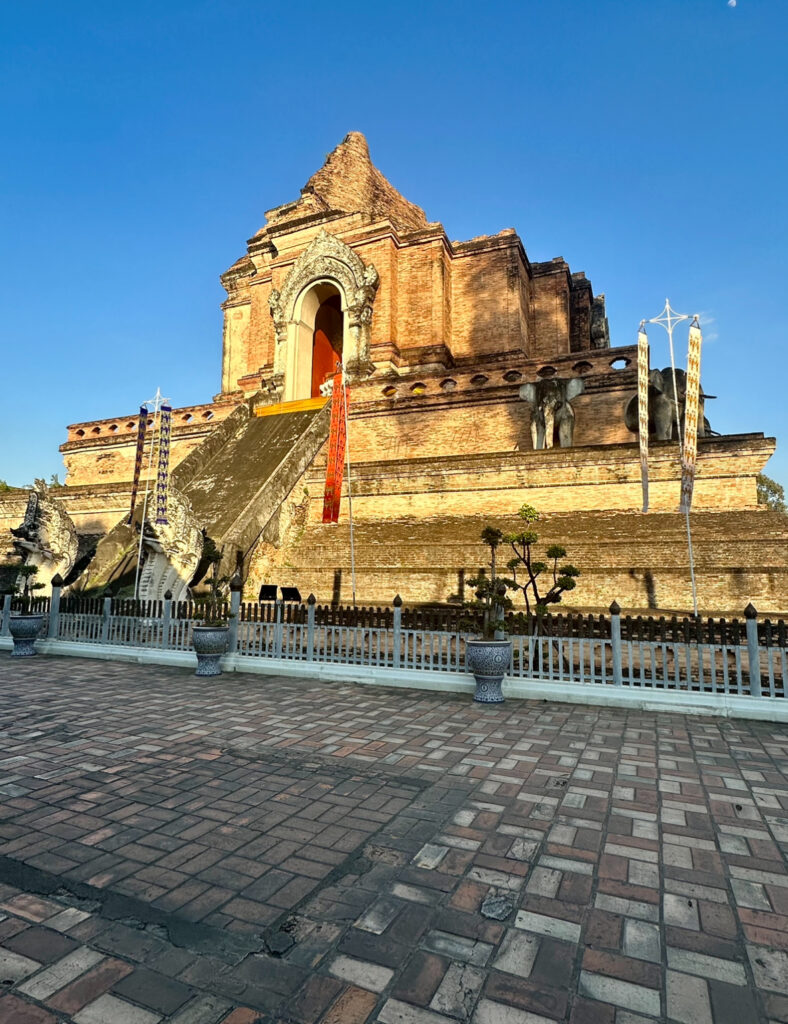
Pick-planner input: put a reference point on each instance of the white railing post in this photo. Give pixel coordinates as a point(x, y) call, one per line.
point(105, 620)
point(615, 639)
point(6, 614)
point(310, 627)
point(236, 590)
point(397, 632)
point(54, 606)
point(278, 627)
point(753, 652)
point(166, 619)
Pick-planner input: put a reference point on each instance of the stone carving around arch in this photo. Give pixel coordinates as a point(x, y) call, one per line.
point(327, 258)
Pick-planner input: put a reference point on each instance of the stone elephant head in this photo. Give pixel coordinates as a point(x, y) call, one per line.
point(551, 410)
point(662, 406)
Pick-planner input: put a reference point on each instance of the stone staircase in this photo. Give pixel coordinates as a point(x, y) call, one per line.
point(231, 487)
point(236, 492)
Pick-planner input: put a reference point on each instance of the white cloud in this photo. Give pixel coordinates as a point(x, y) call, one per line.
point(708, 324)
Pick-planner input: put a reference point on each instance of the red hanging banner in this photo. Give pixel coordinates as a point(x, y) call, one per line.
point(335, 469)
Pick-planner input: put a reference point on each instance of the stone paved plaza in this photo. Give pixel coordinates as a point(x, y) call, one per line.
point(263, 849)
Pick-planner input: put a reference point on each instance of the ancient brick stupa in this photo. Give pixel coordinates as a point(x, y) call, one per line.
point(439, 340)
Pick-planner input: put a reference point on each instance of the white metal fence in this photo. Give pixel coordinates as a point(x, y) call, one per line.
point(739, 658)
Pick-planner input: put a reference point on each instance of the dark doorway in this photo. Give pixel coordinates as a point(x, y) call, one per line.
point(327, 341)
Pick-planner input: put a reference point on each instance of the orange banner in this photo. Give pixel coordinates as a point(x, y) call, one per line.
point(335, 469)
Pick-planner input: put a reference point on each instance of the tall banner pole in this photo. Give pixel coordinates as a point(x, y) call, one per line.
point(157, 402)
point(141, 428)
point(643, 370)
point(345, 400)
point(668, 319)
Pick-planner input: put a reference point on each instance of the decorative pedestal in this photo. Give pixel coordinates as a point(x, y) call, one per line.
point(488, 660)
point(210, 643)
point(24, 629)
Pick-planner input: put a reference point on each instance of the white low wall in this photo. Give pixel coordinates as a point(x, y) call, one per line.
point(765, 709)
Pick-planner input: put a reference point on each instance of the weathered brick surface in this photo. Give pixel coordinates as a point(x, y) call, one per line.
point(640, 561)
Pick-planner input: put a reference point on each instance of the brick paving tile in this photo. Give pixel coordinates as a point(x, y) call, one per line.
point(354, 1006)
point(313, 998)
point(243, 1015)
point(489, 1012)
point(90, 986)
point(53, 978)
point(361, 973)
point(108, 1008)
point(31, 907)
point(14, 1011)
point(152, 990)
point(535, 997)
point(421, 978)
point(41, 943)
point(202, 1010)
point(584, 1011)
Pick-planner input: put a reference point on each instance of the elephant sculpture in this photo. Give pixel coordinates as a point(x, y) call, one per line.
point(662, 406)
point(551, 410)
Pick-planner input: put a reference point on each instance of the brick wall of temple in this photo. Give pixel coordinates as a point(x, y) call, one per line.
point(490, 290)
point(429, 426)
point(104, 451)
point(417, 528)
point(605, 477)
point(478, 298)
point(640, 561)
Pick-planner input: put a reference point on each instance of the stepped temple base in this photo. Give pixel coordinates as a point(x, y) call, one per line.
point(402, 545)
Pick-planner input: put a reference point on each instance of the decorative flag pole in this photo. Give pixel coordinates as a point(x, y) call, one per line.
point(153, 405)
point(668, 319)
point(141, 428)
point(688, 446)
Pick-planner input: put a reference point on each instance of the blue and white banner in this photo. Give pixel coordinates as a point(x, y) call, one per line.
point(162, 478)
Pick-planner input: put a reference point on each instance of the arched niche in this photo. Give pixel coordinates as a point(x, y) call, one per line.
point(327, 263)
point(317, 337)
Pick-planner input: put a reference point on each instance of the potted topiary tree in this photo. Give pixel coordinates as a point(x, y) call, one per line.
point(489, 655)
point(542, 584)
point(25, 624)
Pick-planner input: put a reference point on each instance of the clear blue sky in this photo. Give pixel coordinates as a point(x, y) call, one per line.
point(643, 140)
